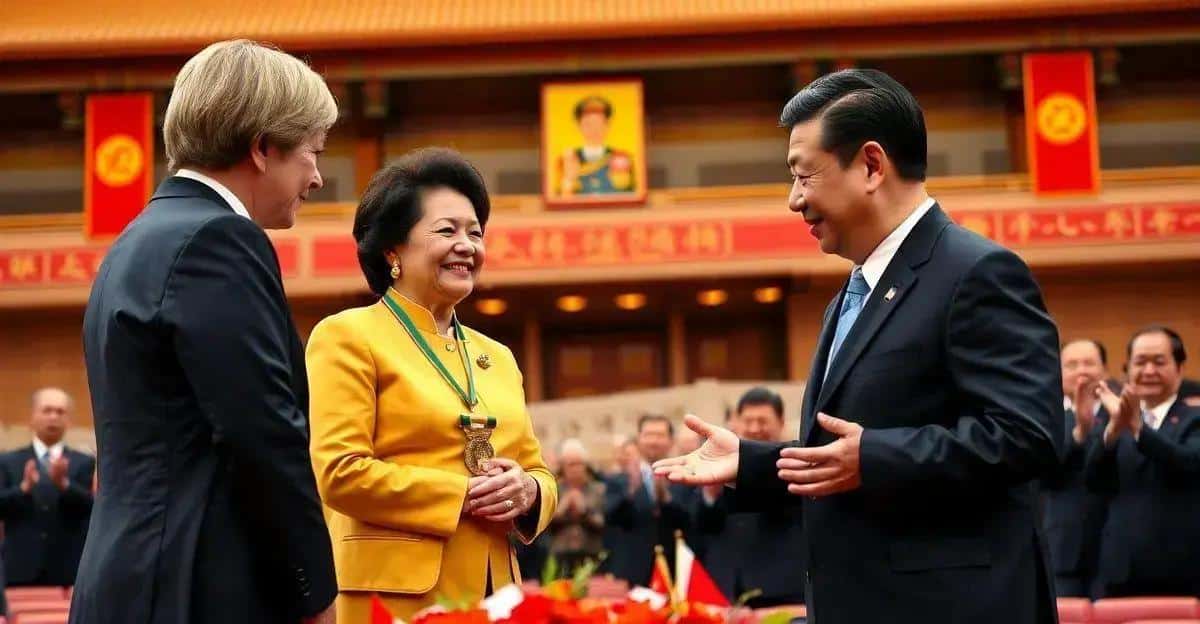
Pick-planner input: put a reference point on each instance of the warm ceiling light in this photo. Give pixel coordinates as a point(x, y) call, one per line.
point(712, 298)
point(571, 303)
point(491, 307)
point(630, 301)
point(768, 294)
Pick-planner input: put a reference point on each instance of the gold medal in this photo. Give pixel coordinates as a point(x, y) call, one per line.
point(476, 429)
point(478, 451)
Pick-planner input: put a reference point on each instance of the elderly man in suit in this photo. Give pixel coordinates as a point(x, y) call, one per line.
point(934, 398)
point(1148, 462)
point(1072, 515)
point(45, 498)
point(207, 509)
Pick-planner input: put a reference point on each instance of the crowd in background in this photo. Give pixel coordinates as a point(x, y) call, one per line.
point(1121, 516)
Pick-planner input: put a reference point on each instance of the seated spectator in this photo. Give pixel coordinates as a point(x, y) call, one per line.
point(45, 498)
point(577, 531)
point(1148, 461)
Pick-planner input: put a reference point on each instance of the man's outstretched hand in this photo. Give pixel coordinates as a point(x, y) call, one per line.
point(715, 462)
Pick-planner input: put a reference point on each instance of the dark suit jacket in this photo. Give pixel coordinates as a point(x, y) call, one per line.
point(1073, 515)
point(44, 529)
point(207, 498)
point(634, 525)
point(952, 368)
point(1151, 538)
point(1189, 389)
point(753, 550)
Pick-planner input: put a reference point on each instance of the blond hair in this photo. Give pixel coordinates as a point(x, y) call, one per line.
point(235, 92)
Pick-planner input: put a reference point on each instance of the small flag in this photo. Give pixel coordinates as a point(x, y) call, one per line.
point(890, 294)
point(692, 582)
point(660, 579)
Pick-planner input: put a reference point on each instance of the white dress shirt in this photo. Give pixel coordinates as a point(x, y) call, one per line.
point(881, 257)
point(221, 190)
point(1154, 417)
point(40, 449)
point(1069, 405)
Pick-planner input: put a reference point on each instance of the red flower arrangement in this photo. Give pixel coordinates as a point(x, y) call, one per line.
point(565, 601)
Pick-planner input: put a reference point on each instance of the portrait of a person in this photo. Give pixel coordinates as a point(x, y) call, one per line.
point(595, 168)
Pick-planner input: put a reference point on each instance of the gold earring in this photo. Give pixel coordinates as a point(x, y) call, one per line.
point(395, 270)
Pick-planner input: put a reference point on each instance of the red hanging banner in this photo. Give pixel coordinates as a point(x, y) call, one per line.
point(118, 161)
point(1060, 123)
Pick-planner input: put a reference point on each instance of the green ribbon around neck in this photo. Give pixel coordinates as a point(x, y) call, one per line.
point(469, 397)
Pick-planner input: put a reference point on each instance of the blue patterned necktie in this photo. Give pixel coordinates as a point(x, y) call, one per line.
point(856, 293)
point(648, 482)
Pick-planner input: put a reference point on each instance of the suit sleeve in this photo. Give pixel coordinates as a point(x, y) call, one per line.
point(618, 503)
point(1100, 467)
point(77, 498)
point(1179, 461)
point(529, 456)
point(12, 499)
point(677, 513)
point(1075, 462)
point(1002, 356)
point(758, 485)
point(1059, 477)
point(225, 304)
point(406, 497)
point(710, 517)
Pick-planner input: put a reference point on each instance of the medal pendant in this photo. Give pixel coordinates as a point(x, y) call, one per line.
point(478, 450)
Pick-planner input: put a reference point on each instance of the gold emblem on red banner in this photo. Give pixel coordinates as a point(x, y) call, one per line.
point(1061, 118)
point(119, 160)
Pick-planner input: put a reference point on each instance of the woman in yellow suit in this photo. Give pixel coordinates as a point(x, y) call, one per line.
point(408, 406)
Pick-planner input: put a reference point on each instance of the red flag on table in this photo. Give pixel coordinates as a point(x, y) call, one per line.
point(660, 579)
point(692, 582)
point(118, 161)
point(1060, 123)
point(379, 612)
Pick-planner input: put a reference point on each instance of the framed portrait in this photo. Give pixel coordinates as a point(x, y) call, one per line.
point(593, 143)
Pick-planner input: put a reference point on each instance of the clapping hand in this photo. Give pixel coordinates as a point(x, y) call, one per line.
point(1084, 400)
point(1124, 413)
point(31, 476)
point(572, 502)
point(58, 471)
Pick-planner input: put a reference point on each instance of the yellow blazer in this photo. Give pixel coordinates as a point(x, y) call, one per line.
point(387, 451)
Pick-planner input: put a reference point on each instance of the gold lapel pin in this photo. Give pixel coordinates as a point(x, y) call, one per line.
point(890, 294)
point(484, 361)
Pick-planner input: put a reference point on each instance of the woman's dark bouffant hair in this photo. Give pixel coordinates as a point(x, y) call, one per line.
point(391, 205)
